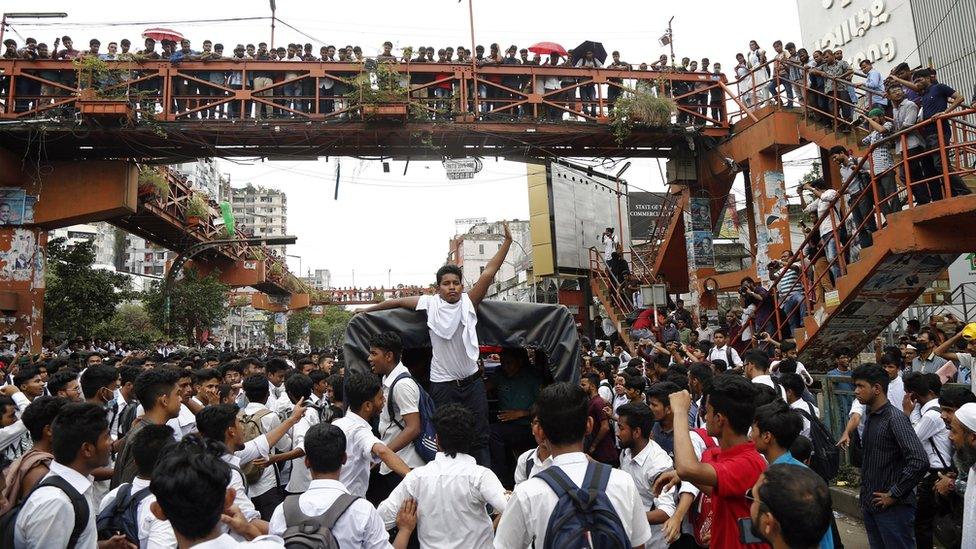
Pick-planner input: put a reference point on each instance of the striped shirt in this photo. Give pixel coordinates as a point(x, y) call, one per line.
point(790, 283)
point(881, 156)
point(894, 459)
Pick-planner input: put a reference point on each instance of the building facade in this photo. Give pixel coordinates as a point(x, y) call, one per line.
point(319, 279)
point(260, 211)
point(474, 249)
point(923, 33)
point(203, 175)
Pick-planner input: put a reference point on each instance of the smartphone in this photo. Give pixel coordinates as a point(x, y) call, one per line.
point(746, 536)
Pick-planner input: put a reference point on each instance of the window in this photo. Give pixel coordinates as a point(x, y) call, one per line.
point(161, 255)
point(499, 246)
point(146, 269)
point(158, 270)
point(481, 249)
point(481, 270)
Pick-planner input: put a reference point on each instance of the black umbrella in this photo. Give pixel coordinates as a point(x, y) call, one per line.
point(597, 48)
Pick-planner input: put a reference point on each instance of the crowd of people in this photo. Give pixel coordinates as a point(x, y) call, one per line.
point(214, 447)
point(582, 102)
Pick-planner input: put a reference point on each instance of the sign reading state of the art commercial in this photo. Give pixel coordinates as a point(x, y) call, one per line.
point(882, 31)
point(462, 168)
point(645, 211)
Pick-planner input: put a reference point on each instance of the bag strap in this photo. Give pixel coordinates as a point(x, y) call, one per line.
point(293, 514)
point(529, 465)
point(121, 497)
point(389, 401)
point(932, 439)
point(339, 506)
point(557, 480)
point(78, 503)
point(597, 477)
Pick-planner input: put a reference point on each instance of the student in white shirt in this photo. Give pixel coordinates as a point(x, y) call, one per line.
point(266, 492)
point(452, 320)
point(297, 388)
point(535, 460)
point(644, 460)
point(192, 493)
point(360, 525)
point(562, 411)
point(757, 371)
point(794, 386)
point(150, 443)
point(205, 382)
point(722, 351)
point(451, 491)
point(221, 424)
point(364, 396)
point(81, 443)
point(400, 430)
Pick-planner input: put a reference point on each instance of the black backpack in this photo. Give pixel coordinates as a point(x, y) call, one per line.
point(584, 515)
point(122, 515)
point(78, 504)
point(825, 459)
point(305, 532)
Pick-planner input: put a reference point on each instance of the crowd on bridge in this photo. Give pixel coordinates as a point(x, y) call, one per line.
point(695, 437)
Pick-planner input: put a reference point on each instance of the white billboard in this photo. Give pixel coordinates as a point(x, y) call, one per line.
point(880, 30)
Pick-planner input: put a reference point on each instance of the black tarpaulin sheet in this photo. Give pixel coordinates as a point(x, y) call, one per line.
point(550, 329)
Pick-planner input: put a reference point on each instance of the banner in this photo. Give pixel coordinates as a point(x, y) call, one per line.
point(645, 212)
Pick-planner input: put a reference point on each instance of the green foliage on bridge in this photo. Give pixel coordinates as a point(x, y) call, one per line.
point(196, 303)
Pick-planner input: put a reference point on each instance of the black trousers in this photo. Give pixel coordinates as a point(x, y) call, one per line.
point(925, 509)
point(507, 441)
point(268, 501)
point(472, 396)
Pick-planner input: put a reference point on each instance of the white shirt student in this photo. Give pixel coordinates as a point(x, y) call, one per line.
point(360, 526)
point(406, 400)
point(724, 353)
point(524, 471)
point(182, 425)
point(451, 494)
point(153, 533)
point(526, 517)
point(253, 449)
point(268, 478)
point(767, 380)
point(644, 468)
point(47, 517)
point(801, 404)
point(453, 339)
point(300, 476)
point(932, 432)
point(225, 541)
point(360, 440)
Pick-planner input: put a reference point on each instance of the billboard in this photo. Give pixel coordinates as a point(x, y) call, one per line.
point(645, 211)
point(584, 203)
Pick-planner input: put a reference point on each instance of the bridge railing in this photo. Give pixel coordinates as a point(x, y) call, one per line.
point(249, 90)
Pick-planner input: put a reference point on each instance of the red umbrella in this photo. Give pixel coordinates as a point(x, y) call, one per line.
point(159, 34)
point(545, 48)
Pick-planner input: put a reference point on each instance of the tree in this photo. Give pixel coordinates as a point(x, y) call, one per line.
point(79, 297)
point(196, 303)
point(329, 329)
point(132, 324)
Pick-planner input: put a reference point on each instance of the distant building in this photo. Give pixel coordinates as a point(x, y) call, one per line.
point(203, 175)
point(319, 279)
point(474, 249)
point(259, 211)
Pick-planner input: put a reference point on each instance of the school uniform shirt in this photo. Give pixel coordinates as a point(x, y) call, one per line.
point(767, 380)
point(360, 526)
point(606, 391)
point(153, 533)
point(644, 468)
point(451, 494)
point(724, 353)
point(225, 541)
point(801, 404)
point(359, 452)
point(932, 432)
point(453, 337)
point(300, 476)
point(47, 517)
point(253, 449)
point(523, 471)
point(526, 518)
point(268, 478)
point(406, 400)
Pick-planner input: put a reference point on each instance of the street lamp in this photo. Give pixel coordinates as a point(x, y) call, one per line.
point(193, 250)
point(27, 15)
point(299, 258)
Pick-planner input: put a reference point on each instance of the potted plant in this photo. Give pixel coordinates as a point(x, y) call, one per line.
point(196, 209)
point(641, 109)
point(153, 183)
point(276, 270)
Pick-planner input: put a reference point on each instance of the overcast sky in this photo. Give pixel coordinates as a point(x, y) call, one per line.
point(386, 222)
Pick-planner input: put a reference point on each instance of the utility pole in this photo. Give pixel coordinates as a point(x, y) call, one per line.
point(273, 7)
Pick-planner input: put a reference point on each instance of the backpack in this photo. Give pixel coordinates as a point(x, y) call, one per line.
point(128, 415)
point(702, 509)
point(426, 441)
point(251, 425)
point(122, 515)
point(78, 504)
point(583, 516)
point(825, 459)
point(305, 532)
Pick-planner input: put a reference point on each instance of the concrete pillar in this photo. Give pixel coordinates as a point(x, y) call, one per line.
point(770, 211)
point(22, 260)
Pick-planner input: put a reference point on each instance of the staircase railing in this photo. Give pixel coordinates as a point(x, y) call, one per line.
point(871, 197)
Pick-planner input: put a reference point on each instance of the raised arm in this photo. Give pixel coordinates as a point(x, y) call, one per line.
point(946, 349)
point(480, 288)
point(395, 303)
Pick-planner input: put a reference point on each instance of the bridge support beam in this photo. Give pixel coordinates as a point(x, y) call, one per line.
point(239, 274)
point(769, 222)
point(22, 261)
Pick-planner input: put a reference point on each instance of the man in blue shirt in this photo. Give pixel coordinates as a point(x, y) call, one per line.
point(774, 430)
point(937, 99)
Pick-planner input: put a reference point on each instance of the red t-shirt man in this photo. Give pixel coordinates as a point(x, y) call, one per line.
point(736, 470)
point(605, 451)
